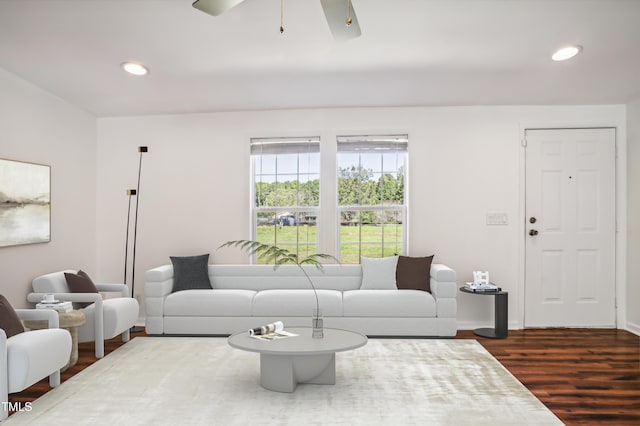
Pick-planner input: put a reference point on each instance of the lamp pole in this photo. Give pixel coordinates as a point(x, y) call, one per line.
point(141, 150)
point(130, 193)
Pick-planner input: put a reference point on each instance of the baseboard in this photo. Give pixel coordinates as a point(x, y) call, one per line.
point(140, 322)
point(633, 328)
point(472, 325)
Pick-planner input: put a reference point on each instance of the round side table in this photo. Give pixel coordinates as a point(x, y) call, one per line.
point(69, 321)
point(501, 310)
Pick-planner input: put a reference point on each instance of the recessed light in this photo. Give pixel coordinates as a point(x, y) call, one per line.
point(135, 68)
point(565, 53)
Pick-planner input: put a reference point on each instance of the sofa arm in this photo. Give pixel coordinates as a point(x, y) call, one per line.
point(67, 297)
point(444, 290)
point(157, 286)
point(123, 289)
point(49, 315)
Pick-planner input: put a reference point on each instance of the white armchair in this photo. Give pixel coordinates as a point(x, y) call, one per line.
point(28, 357)
point(105, 318)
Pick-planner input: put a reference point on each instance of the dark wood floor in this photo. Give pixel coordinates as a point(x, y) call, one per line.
point(584, 376)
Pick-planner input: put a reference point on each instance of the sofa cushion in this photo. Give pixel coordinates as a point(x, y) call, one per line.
point(388, 303)
point(9, 320)
point(231, 303)
point(80, 283)
point(413, 273)
point(296, 303)
point(379, 273)
point(119, 314)
point(190, 272)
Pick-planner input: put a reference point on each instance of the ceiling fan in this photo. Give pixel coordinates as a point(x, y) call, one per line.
point(340, 15)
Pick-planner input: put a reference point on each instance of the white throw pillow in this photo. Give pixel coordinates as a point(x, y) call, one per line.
point(379, 273)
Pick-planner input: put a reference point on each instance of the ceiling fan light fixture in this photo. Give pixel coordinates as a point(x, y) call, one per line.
point(135, 68)
point(566, 52)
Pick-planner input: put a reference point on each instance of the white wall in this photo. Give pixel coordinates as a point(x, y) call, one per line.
point(39, 128)
point(633, 217)
point(464, 162)
point(195, 180)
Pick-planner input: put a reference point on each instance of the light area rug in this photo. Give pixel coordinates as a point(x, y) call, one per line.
point(203, 381)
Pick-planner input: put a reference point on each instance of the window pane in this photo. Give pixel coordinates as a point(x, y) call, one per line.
point(348, 222)
point(391, 161)
point(261, 190)
point(349, 186)
point(369, 221)
point(309, 190)
point(346, 160)
point(349, 253)
point(371, 162)
point(372, 250)
point(265, 164)
point(309, 163)
point(287, 164)
point(266, 232)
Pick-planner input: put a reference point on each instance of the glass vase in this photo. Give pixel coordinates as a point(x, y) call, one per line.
point(317, 324)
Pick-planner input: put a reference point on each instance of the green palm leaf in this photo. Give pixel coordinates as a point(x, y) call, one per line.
point(280, 256)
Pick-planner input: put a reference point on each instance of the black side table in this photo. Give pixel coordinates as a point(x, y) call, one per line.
point(501, 308)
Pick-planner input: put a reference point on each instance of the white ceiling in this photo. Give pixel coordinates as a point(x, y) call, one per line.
point(412, 52)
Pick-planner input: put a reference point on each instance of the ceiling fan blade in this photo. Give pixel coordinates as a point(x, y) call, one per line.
point(215, 7)
point(336, 12)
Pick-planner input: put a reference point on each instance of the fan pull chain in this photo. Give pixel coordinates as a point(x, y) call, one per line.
point(281, 16)
point(349, 20)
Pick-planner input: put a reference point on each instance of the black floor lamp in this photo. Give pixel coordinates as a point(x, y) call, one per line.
point(130, 193)
point(141, 150)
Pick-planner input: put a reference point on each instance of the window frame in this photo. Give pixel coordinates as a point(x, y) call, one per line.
point(255, 210)
point(369, 144)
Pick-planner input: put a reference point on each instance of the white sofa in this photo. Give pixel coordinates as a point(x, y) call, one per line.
point(247, 296)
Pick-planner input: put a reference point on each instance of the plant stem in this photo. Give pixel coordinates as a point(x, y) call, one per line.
point(313, 287)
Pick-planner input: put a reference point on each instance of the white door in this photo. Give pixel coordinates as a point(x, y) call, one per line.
point(570, 226)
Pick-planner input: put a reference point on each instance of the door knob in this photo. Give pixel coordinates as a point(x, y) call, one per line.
point(533, 232)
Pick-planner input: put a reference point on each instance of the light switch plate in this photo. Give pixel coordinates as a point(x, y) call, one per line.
point(497, 218)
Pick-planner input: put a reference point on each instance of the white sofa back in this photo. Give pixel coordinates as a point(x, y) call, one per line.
point(266, 277)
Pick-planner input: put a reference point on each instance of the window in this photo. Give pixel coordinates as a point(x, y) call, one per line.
point(372, 205)
point(286, 192)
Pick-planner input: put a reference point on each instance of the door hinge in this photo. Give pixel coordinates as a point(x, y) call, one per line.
point(523, 142)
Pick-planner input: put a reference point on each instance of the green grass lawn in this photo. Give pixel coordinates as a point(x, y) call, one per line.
point(350, 252)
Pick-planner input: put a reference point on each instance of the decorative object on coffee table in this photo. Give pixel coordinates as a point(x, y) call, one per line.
point(279, 256)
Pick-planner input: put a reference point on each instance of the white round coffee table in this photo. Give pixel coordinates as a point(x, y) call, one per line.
point(299, 359)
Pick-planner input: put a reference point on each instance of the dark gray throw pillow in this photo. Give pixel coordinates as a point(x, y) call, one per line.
point(190, 272)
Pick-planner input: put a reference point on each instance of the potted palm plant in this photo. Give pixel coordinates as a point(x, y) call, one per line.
point(277, 256)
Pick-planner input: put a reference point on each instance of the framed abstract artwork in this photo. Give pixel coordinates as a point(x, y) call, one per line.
point(25, 203)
